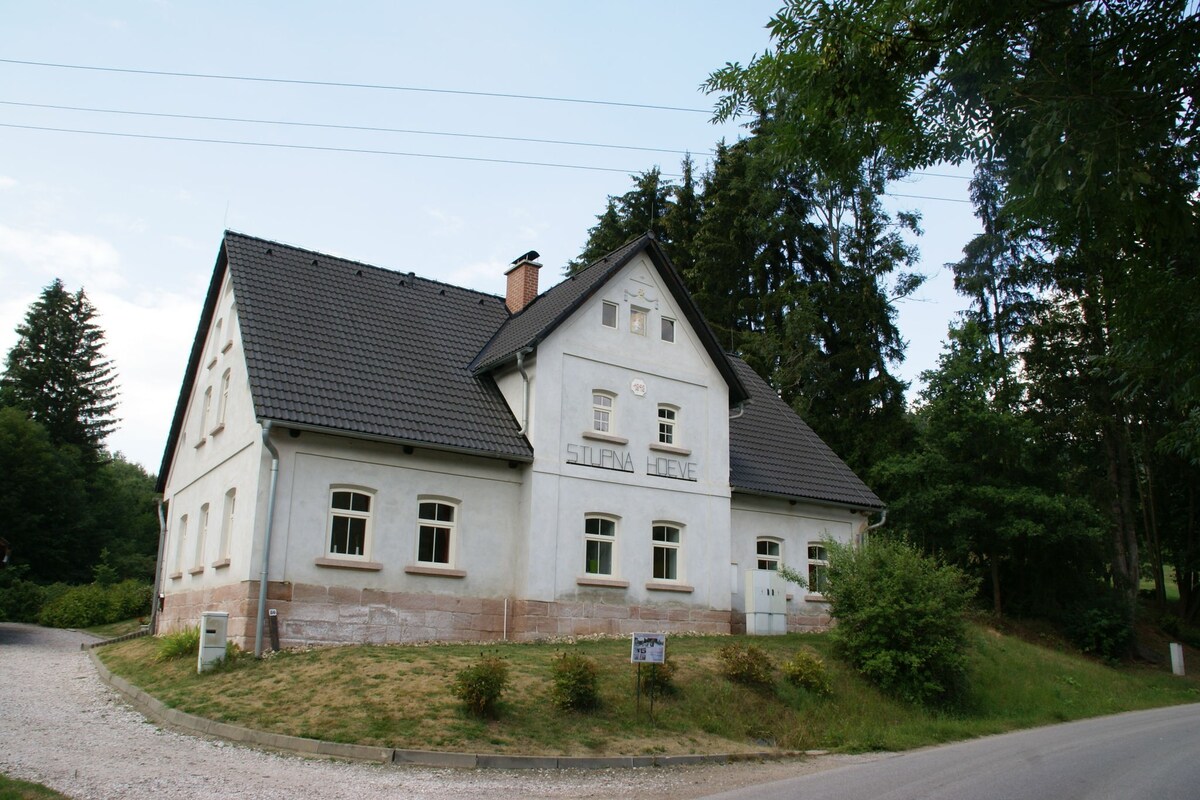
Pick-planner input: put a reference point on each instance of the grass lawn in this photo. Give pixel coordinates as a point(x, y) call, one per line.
point(13, 789)
point(399, 696)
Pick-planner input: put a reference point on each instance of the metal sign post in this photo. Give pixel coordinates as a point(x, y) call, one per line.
point(648, 648)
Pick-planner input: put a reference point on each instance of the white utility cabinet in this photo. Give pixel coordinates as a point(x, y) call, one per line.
point(214, 627)
point(766, 602)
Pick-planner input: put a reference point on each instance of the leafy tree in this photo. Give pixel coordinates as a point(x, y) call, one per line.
point(58, 374)
point(1089, 109)
point(124, 518)
point(982, 487)
point(43, 502)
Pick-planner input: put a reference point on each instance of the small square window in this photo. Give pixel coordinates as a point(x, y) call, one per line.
point(668, 329)
point(637, 321)
point(608, 315)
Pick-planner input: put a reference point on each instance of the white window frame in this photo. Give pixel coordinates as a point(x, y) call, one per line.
point(201, 536)
point(433, 525)
point(768, 560)
point(666, 325)
point(180, 543)
point(818, 567)
point(672, 551)
point(227, 518)
point(223, 401)
point(605, 308)
point(593, 534)
point(639, 318)
point(351, 514)
point(668, 421)
point(604, 414)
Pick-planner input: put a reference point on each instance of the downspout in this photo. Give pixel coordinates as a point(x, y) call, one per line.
point(869, 528)
point(266, 556)
point(740, 409)
point(524, 388)
point(158, 565)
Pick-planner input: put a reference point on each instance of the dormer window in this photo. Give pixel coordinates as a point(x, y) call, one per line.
point(637, 321)
point(608, 315)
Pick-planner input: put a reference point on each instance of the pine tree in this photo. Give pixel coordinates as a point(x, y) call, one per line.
point(58, 375)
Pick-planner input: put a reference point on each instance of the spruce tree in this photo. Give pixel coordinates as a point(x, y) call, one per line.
point(57, 372)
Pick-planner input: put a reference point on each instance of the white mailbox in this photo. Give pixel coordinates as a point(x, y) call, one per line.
point(766, 602)
point(214, 626)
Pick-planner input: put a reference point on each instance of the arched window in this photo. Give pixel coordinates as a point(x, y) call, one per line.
point(350, 523)
point(667, 540)
point(437, 531)
point(599, 544)
point(769, 552)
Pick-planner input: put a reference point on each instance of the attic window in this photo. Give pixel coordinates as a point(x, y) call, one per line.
point(668, 329)
point(608, 315)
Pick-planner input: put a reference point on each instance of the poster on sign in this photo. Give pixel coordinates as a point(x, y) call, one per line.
point(649, 648)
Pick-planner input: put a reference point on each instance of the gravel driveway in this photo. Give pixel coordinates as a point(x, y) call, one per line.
point(60, 726)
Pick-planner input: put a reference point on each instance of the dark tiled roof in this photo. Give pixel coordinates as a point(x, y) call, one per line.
point(537, 320)
point(774, 452)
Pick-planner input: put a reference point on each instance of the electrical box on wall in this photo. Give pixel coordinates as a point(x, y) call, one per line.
point(214, 626)
point(766, 602)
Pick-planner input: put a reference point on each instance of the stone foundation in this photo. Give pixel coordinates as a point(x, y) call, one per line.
point(808, 621)
point(320, 615)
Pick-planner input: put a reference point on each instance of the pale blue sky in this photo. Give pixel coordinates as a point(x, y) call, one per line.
point(137, 222)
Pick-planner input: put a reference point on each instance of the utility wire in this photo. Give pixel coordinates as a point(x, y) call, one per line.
point(347, 127)
point(349, 85)
point(327, 149)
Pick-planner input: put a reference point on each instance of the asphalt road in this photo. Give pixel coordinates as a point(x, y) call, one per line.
point(1146, 754)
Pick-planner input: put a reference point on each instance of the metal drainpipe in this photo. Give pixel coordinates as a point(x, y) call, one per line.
point(266, 556)
point(158, 565)
point(879, 524)
point(524, 388)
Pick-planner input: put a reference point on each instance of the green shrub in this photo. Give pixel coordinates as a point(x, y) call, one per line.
point(1102, 626)
point(659, 678)
point(20, 600)
point(480, 685)
point(747, 664)
point(576, 682)
point(807, 670)
point(94, 604)
point(900, 619)
point(180, 644)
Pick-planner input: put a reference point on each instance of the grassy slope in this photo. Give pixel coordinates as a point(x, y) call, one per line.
point(13, 789)
point(399, 697)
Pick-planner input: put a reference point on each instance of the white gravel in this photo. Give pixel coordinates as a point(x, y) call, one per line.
point(60, 726)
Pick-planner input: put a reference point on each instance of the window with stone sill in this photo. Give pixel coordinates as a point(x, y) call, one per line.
point(599, 542)
point(668, 416)
point(603, 407)
point(437, 532)
point(818, 568)
point(349, 531)
point(667, 542)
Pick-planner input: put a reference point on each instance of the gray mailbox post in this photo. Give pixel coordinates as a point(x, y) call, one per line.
point(213, 629)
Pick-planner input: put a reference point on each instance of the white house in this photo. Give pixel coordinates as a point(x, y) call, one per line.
point(430, 462)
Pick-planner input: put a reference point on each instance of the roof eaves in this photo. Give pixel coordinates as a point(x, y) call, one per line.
point(526, 458)
point(807, 499)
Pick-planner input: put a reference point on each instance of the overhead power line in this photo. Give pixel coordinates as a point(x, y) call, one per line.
point(333, 126)
point(352, 85)
point(327, 149)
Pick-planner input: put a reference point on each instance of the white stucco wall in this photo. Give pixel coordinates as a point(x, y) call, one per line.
point(486, 493)
point(626, 475)
point(213, 459)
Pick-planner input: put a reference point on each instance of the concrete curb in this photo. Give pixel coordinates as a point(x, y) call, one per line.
point(156, 710)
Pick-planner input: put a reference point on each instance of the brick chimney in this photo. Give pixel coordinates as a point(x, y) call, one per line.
point(522, 282)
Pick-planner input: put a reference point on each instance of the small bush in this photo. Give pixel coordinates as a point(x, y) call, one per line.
point(576, 682)
point(1102, 626)
point(94, 604)
point(20, 600)
point(480, 685)
point(659, 678)
point(900, 619)
point(180, 644)
point(747, 664)
point(807, 670)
